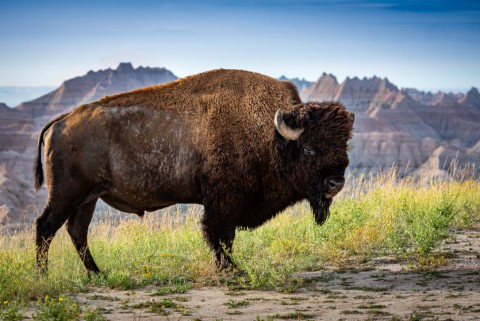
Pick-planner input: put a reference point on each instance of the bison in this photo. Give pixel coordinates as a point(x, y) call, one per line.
point(240, 143)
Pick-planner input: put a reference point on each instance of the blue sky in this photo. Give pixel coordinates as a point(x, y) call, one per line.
point(425, 44)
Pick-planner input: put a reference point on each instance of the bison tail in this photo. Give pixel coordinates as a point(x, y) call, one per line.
point(37, 165)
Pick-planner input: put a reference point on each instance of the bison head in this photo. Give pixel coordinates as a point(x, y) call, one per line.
point(312, 140)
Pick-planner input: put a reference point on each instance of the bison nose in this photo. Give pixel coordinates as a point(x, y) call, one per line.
point(335, 184)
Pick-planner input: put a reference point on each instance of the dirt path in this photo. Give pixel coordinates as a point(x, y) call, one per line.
point(386, 291)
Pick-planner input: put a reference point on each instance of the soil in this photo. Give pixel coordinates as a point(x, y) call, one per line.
point(387, 290)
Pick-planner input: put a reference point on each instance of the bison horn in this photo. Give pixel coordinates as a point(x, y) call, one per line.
point(352, 117)
point(286, 131)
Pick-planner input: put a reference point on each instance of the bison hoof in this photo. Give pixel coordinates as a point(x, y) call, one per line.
point(42, 270)
point(95, 275)
point(226, 264)
point(239, 273)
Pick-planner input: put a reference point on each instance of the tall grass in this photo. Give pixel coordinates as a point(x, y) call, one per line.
point(373, 216)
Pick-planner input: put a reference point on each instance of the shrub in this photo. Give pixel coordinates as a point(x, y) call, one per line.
point(61, 309)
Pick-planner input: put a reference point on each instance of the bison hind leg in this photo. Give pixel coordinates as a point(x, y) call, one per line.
point(77, 227)
point(47, 225)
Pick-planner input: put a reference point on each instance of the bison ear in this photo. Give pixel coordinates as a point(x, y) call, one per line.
point(351, 116)
point(283, 129)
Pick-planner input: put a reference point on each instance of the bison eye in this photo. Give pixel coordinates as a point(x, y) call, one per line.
point(308, 151)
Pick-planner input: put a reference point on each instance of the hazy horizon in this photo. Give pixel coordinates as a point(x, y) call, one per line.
point(428, 45)
point(12, 96)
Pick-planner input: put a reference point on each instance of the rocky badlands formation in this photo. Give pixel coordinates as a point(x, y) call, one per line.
point(419, 133)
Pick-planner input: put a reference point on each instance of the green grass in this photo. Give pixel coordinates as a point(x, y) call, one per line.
point(93, 314)
point(372, 217)
point(61, 309)
point(10, 311)
point(162, 307)
point(237, 303)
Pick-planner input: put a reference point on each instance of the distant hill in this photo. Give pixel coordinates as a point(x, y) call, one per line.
point(94, 85)
point(301, 84)
point(19, 129)
point(416, 131)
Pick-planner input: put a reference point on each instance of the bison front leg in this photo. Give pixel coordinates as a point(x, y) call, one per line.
point(224, 261)
point(220, 238)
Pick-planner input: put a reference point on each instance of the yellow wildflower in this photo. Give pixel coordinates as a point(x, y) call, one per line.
point(5, 302)
point(60, 299)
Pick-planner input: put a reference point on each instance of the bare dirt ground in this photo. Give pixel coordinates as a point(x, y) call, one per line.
point(386, 290)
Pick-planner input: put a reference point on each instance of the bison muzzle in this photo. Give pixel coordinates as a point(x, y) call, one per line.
point(240, 143)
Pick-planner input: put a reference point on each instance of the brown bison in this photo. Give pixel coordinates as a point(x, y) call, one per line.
point(240, 143)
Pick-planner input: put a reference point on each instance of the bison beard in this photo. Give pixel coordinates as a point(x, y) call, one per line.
point(162, 145)
point(320, 208)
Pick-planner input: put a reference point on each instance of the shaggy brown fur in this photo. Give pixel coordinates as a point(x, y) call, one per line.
point(208, 139)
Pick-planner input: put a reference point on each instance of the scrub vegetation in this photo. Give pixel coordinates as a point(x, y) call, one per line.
point(374, 216)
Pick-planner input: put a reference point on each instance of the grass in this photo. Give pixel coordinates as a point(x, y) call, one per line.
point(373, 216)
point(237, 303)
point(10, 311)
point(94, 314)
point(294, 316)
point(162, 307)
point(60, 309)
